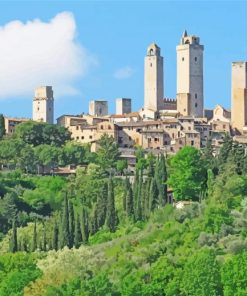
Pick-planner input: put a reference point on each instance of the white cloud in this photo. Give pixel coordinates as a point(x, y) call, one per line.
point(41, 53)
point(124, 73)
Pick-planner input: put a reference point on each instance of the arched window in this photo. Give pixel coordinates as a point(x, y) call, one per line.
point(151, 52)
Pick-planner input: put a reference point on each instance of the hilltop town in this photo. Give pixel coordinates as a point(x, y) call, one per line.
point(163, 124)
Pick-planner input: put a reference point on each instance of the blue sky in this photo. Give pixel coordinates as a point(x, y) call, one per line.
point(114, 37)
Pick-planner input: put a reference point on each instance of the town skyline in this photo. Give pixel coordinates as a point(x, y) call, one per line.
point(126, 60)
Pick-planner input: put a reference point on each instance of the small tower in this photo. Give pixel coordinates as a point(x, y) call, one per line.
point(43, 104)
point(153, 79)
point(123, 106)
point(98, 108)
point(190, 76)
point(239, 96)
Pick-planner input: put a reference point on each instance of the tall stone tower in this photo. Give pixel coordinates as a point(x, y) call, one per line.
point(239, 96)
point(190, 76)
point(43, 104)
point(153, 79)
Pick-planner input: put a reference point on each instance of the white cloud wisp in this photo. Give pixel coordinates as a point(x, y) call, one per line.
point(124, 73)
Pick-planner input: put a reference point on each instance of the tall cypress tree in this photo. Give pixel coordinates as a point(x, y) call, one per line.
point(13, 245)
point(2, 126)
point(129, 199)
point(161, 178)
point(100, 209)
point(65, 223)
point(55, 236)
point(77, 236)
point(153, 195)
point(84, 226)
point(44, 238)
point(34, 245)
point(138, 206)
point(111, 215)
point(71, 224)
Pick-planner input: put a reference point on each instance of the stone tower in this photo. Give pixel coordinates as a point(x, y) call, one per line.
point(43, 104)
point(190, 76)
point(153, 79)
point(123, 106)
point(239, 96)
point(98, 108)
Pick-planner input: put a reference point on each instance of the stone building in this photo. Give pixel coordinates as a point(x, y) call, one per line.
point(43, 104)
point(153, 79)
point(239, 97)
point(10, 123)
point(190, 76)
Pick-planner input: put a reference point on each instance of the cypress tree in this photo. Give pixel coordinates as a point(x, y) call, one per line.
point(225, 151)
point(44, 238)
point(13, 246)
point(100, 209)
point(71, 224)
point(161, 178)
point(84, 226)
point(138, 208)
point(77, 236)
point(111, 215)
point(93, 222)
point(129, 200)
point(55, 236)
point(153, 195)
point(2, 126)
point(34, 245)
point(65, 223)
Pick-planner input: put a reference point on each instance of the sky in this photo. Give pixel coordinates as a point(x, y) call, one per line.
point(95, 49)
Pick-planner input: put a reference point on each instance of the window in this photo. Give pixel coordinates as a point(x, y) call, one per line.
point(82, 137)
point(77, 138)
point(195, 104)
point(192, 143)
point(109, 127)
point(183, 59)
point(156, 139)
point(224, 126)
point(38, 109)
point(90, 137)
point(195, 96)
point(151, 65)
point(189, 128)
point(129, 138)
point(102, 127)
point(77, 127)
point(195, 57)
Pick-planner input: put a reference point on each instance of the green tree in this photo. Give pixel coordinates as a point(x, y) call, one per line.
point(71, 224)
point(34, 245)
point(121, 165)
point(13, 245)
point(188, 174)
point(153, 195)
point(129, 199)
point(161, 179)
point(100, 208)
point(111, 215)
point(84, 225)
point(225, 151)
point(77, 236)
point(65, 223)
point(233, 275)
point(2, 126)
point(201, 275)
point(55, 238)
point(107, 153)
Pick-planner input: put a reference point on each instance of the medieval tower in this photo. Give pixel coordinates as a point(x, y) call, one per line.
point(153, 79)
point(239, 96)
point(43, 104)
point(190, 76)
